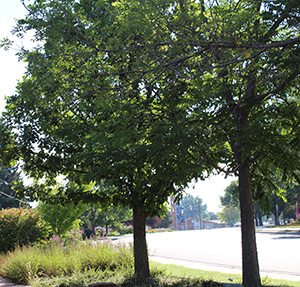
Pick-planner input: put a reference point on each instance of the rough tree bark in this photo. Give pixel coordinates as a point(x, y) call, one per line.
point(141, 262)
point(251, 277)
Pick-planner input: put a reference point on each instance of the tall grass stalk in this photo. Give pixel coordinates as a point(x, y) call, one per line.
point(62, 258)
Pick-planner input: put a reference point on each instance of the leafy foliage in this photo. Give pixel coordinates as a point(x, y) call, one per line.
point(61, 218)
point(167, 220)
point(230, 214)
point(231, 196)
point(149, 96)
point(108, 217)
point(19, 227)
point(8, 177)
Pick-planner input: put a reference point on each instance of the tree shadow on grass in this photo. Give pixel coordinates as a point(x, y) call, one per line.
point(170, 282)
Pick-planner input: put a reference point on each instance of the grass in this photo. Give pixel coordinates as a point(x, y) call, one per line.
point(75, 263)
point(294, 224)
point(183, 272)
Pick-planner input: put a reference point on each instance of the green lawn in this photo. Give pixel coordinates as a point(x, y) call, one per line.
point(180, 271)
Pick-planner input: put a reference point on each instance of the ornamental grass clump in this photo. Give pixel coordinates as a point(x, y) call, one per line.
point(63, 258)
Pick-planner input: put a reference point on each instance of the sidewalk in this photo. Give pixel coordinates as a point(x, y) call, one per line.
point(279, 230)
point(6, 283)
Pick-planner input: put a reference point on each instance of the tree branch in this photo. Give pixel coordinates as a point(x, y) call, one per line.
point(292, 76)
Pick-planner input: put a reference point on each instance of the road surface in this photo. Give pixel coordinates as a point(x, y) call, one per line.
point(220, 250)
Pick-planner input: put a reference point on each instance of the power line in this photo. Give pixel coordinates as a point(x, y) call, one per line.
point(10, 196)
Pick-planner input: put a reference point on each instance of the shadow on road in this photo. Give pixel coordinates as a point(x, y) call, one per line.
point(287, 236)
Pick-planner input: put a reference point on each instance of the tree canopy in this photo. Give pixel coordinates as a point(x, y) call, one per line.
point(149, 94)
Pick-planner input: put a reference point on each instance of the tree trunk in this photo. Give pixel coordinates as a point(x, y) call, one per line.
point(261, 221)
point(283, 215)
point(256, 220)
point(141, 262)
point(276, 214)
point(251, 277)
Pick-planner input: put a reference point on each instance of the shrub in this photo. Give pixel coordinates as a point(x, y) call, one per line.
point(19, 227)
point(125, 230)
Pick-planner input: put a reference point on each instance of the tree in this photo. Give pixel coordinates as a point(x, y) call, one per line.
point(194, 207)
point(273, 194)
point(231, 199)
point(251, 105)
point(153, 222)
point(167, 220)
point(61, 218)
point(111, 216)
point(212, 216)
point(8, 177)
point(73, 121)
point(231, 196)
point(292, 196)
point(230, 214)
point(230, 202)
point(185, 86)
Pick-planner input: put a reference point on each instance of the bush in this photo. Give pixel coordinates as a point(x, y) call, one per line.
point(19, 227)
point(125, 230)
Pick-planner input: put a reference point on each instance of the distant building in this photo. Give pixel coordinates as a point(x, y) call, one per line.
point(194, 224)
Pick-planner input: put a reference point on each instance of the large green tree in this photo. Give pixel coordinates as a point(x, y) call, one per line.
point(252, 99)
point(147, 94)
point(82, 111)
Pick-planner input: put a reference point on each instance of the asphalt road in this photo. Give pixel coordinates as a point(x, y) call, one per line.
point(220, 250)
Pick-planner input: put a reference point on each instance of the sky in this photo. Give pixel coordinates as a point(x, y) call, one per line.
point(12, 70)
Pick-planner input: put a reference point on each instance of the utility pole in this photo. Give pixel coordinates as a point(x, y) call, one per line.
point(200, 217)
point(184, 214)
